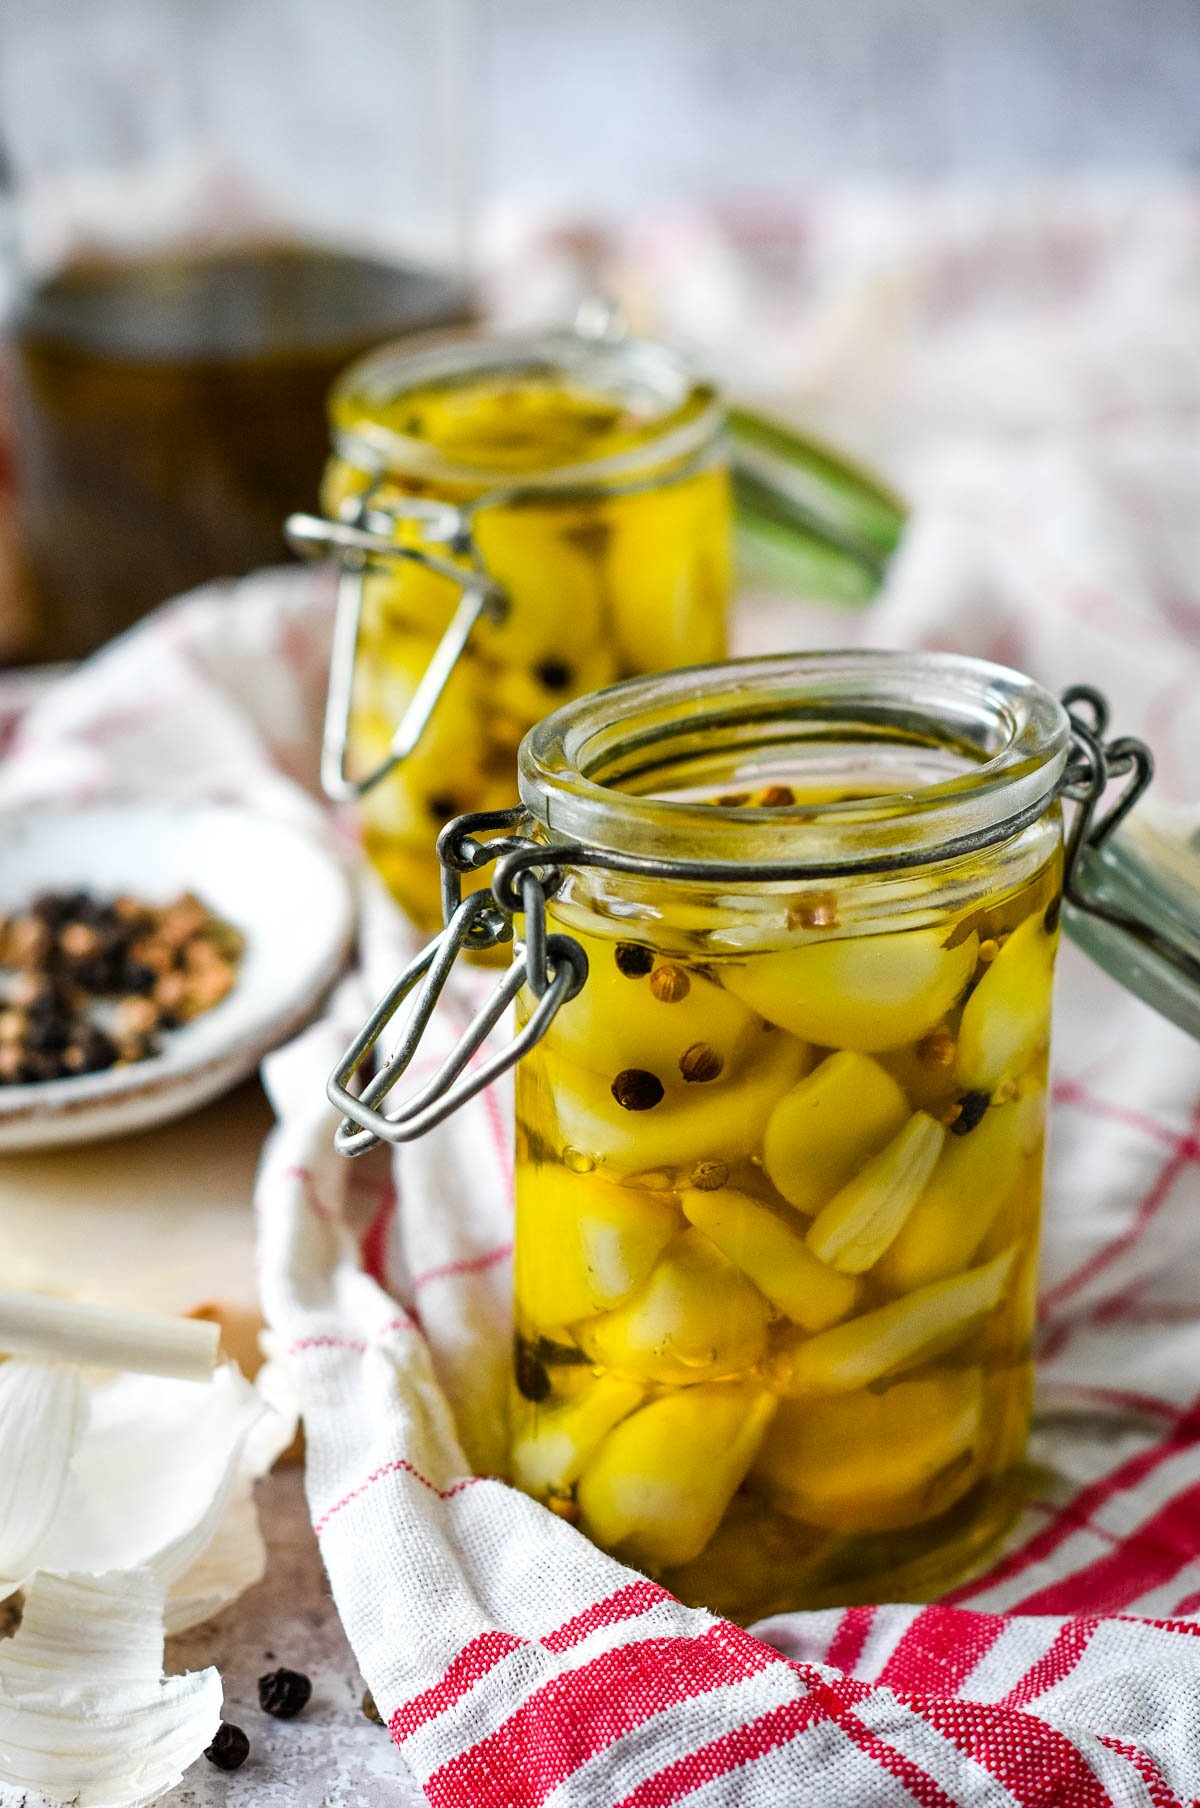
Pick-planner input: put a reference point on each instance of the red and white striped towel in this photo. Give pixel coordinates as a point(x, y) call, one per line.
point(516, 1665)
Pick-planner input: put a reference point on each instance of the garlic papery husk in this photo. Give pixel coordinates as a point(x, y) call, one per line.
point(43, 1412)
point(155, 1476)
point(86, 1714)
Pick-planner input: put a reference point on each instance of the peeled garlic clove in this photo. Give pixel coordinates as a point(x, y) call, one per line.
point(828, 1125)
point(895, 1336)
point(974, 1176)
point(868, 1462)
point(774, 1256)
point(657, 1488)
point(649, 1130)
point(1007, 1017)
point(925, 1068)
point(444, 773)
point(864, 992)
point(582, 1243)
point(550, 1454)
point(697, 1318)
point(670, 574)
point(549, 563)
point(543, 676)
point(639, 1011)
point(860, 1221)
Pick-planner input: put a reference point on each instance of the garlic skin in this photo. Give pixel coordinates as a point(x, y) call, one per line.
point(43, 1412)
point(141, 1521)
point(86, 1714)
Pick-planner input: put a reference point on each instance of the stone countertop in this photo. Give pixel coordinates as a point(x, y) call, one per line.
point(331, 1756)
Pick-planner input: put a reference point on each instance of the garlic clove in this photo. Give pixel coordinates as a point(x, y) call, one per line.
point(773, 1254)
point(656, 1130)
point(539, 676)
point(974, 1176)
point(868, 1213)
point(549, 1455)
point(550, 562)
point(863, 992)
point(670, 573)
point(1007, 1017)
point(820, 1461)
point(896, 1336)
point(583, 1244)
point(828, 1126)
point(658, 1486)
point(696, 1318)
point(645, 1013)
point(444, 768)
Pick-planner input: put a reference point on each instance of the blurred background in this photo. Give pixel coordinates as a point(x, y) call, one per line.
point(857, 212)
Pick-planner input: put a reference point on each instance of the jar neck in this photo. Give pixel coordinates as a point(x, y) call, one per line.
point(884, 760)
point(673, 416)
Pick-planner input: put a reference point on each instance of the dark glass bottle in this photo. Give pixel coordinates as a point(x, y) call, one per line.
point(169, 412)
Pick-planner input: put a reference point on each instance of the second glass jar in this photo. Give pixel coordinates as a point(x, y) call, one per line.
point(591, 478)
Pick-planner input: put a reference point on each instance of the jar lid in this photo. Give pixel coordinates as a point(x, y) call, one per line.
point(963, 754)
point(655, 409)
point(1148, 874)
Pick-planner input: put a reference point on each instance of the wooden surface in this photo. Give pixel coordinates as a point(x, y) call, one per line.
point(161, 1220)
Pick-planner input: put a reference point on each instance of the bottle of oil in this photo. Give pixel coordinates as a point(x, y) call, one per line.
point(170, 411)
point(211, 210)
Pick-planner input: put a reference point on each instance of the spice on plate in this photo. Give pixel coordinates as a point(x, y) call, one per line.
point(93, 984)
point(370, 1710)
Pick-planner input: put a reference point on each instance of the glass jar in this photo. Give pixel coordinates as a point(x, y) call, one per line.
point(783, 1009)
point(779, 1163)
point(520, 522)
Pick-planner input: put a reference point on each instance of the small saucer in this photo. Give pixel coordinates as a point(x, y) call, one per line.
point(289, 896)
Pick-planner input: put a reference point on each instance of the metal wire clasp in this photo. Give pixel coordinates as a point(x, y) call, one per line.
point(553, 966)
point(1092, 764)
point(362, 540)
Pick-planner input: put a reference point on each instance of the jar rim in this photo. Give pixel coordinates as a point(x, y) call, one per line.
point(688, 417)
point(1019, 733)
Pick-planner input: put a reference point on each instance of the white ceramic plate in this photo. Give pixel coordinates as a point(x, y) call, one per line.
point(289, 897)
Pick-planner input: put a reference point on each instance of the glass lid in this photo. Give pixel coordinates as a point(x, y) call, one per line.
point(1148, 874)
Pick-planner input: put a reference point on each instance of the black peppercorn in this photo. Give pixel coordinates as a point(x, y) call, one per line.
point(632, 960)
point(971, 1107)
point(284, 1693)
point(1053, 913)
point(532, 1377)
point(51, 908)
point(553, 674)
point(47, 1034)
point(230, 1747)
point(637, 1090)
point(137, 977)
